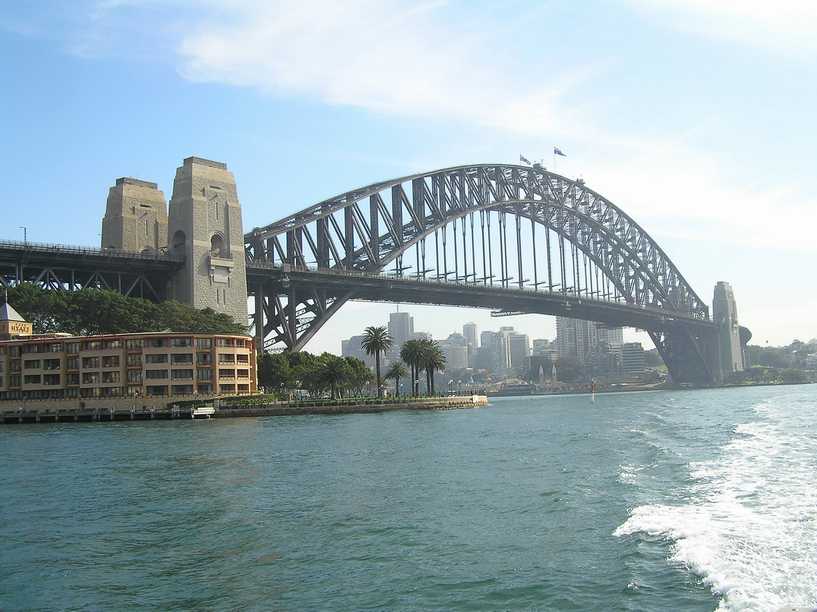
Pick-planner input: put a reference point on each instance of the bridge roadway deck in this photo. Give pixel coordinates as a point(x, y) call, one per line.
point(383, 288)
point(60, 256)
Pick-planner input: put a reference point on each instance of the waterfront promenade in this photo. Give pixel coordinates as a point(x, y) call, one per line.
point(128, 410)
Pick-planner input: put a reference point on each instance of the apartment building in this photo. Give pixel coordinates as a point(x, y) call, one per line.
point(152, 364)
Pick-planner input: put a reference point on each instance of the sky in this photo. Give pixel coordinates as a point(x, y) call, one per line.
point(695, 117)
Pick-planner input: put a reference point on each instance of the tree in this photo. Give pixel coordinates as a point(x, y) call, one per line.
point(100, 311)
point(432, 360)
point(411, 353)
point(376, 340)
point(274, 372)
point(359, 375)
point(333, 372)
point(397, 371)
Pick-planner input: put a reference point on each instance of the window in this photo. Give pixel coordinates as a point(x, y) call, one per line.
point(204, 374)
point(51, 379)
point(92, 345)
point(182, 374)
point(162, 358)
point(243, 373)
point(14, 380)
point(205, 388)
point(226, 358)
point(183, 389)
point(181, 342)
point(134, 376)
point(110, 361)
point(204, 343)
point(90, 362)
point(55, 347)
point(134, 359)
point(225, 342)
point(72, 378)
point(226, 388)
point(72, 348)
point(112, 344)
point(51, 364)
point(156, 342)
point(242, 358)
point(155, 374)
point(90, 378)
point(153, 390)
point(243, 388)
point(110, 377)
point(72, 363)
point(32, 364)
point(32, 379)
point(226, 373)
point(217, 248)
point(203, 358)
point(182, 358)
point(134, 390)
point(133, 343)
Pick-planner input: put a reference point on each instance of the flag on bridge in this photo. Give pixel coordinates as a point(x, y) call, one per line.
point(558, 151)
point(523, 159)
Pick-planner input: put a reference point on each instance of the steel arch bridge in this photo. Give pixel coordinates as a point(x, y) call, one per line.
point(515, 239)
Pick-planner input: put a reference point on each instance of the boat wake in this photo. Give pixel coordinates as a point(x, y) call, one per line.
point(749, 528)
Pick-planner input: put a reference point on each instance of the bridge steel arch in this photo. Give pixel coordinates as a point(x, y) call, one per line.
point(578, 255)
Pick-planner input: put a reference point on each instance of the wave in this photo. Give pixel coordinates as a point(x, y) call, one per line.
point(748, 526)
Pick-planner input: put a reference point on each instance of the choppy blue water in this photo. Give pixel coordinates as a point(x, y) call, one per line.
point(695, 500)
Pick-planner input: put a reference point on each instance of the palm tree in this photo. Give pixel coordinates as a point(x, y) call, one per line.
point(432, 360)
point(397, 371)
point(376, 340)
point(333, 372)
point(411, 353)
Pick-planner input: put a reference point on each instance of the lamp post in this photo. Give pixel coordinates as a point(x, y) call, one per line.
point(25, 234)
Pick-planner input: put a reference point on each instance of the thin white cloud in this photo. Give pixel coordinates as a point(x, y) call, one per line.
point(390, 57)
point(786, 26)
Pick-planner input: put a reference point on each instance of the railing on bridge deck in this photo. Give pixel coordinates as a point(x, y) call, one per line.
point(53, 248)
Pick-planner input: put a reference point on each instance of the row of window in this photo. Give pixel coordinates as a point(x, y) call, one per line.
point(133, 343)
point(130, 391)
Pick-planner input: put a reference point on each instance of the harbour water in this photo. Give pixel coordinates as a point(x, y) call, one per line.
point(689, 500)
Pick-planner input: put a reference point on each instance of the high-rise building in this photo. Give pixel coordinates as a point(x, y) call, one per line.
point(469, 330)
point(401, 329)
point(352, 348)
point(489, 355)
point(518, 352)
point(633, 360)
point(455, 350)
point(578, 340)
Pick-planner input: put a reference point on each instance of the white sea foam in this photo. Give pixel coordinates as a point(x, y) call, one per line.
point(750, 526)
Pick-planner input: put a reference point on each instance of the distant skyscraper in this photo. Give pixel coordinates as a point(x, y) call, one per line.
point(469, 330)
point(401, 329)
point(633, 360)
point(519, 351)
point(578, 340)
point(352, 348)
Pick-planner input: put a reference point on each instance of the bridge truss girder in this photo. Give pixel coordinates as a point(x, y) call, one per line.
point(394, 225)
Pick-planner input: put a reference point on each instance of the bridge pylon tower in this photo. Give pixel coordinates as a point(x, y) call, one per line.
point(205, 227)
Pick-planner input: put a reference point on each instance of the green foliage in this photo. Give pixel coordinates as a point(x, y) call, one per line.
point(396, 372)
point(316, 374)
point(376, 341)
point(95, 311)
